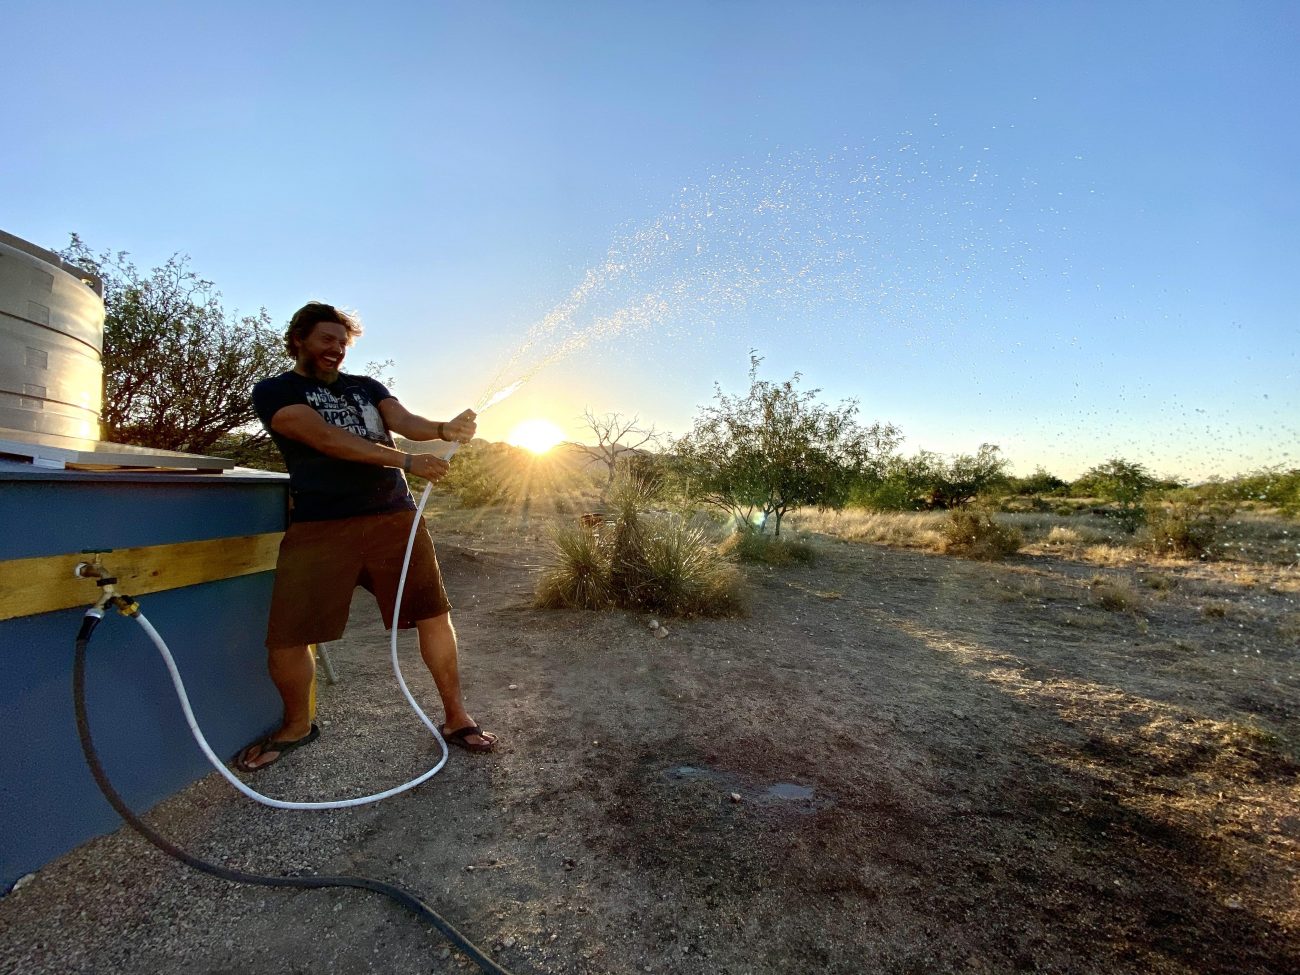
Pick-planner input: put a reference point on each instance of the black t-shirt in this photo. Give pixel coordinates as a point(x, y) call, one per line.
point(325, 487)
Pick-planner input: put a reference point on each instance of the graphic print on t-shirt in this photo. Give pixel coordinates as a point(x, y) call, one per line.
point(351, 411)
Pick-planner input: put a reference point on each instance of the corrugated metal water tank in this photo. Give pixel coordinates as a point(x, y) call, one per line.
point(51, 342)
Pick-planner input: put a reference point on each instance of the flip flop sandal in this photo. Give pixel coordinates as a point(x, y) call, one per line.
point(281, 749)
point(459, 736)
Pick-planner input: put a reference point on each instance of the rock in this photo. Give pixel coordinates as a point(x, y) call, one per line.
point(661, 633)
point(514, 687)
point(654, 624)
point(735, 797)
point(22, 882)
point(509, 942)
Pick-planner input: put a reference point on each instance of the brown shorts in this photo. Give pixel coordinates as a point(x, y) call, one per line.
point(322, 562)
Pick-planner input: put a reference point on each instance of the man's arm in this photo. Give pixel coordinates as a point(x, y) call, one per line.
point(402, 421)
point(302, 423)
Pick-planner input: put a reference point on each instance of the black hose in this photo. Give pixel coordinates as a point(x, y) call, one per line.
point(405, 898)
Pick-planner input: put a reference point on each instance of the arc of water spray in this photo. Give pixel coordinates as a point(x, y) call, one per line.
point(792, 237)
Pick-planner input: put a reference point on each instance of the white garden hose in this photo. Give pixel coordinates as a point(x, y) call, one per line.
point(253, 794)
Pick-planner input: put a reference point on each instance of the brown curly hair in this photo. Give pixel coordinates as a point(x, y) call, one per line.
point(312, 314)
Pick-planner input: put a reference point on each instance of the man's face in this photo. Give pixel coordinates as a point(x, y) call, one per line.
point(321, 353)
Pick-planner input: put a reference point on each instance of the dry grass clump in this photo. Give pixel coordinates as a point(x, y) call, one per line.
point(1115, 595)
point(1158, 581)
point(1217, 609)
point(752, 546)
point(1266, 537)
point(978, 535)
point(1288, 626)
point(1084, 537)
point(1063, 536)
point(659, 563)
point(900, 529)
point(1107, 555)
point(1182, 530)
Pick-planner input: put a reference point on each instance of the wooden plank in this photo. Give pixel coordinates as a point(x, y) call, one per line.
point(47, 583)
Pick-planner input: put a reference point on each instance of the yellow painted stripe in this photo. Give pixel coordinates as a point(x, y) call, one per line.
point(47, 583)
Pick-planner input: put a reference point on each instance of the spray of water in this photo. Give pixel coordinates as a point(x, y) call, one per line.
point(492, 399)
point(882, 236)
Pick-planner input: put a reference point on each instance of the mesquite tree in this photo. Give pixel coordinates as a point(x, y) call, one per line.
point(775, 449)
point(178, 370)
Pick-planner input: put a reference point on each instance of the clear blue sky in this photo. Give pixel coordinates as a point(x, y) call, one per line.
point(1069, 229)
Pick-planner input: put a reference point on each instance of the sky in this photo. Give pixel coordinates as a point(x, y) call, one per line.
point(1069, 229)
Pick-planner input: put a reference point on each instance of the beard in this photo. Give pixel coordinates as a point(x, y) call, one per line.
point(319, 369)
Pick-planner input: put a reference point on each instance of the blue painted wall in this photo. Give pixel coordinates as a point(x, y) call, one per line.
point(48, 801)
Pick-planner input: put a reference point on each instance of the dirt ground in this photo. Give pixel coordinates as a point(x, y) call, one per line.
point(899, 762)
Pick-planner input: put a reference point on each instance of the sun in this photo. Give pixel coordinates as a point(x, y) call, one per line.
point(538, 435)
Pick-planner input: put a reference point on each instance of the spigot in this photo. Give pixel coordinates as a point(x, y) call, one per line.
point(94, 569)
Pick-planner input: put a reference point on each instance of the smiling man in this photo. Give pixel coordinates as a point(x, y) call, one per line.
point(350, 519)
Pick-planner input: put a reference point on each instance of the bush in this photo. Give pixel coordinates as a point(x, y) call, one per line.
point(976, 535)
point(1040, 482)
point(888, 494)
point(752, 546)
point(1123, 482)
point(632, 560)
point(578, 577)
point(1183, 529)
point(1115, 595)
point(1272, 486)
point(684, 574)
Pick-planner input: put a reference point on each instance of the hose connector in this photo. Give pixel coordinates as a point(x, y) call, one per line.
point(125, 605)
point(89, 622)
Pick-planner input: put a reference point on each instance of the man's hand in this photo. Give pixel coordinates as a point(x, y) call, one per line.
point(429, 467)
point(461, 429)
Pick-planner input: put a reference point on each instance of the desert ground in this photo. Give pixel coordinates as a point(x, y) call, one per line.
point(897, 762)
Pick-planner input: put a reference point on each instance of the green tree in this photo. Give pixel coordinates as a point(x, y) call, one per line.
point(178, 369)
point(928, 480)
point(775, 449)
point(959, 481)
point(1124, 482)
point(1041, 481)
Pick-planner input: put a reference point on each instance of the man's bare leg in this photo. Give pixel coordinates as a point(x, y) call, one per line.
point(292, 671)
point(438, 648)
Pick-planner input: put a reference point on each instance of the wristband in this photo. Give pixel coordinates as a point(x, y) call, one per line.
point(406, 463)
point(442, 431)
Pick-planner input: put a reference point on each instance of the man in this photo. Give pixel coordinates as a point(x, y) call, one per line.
point(350, 520)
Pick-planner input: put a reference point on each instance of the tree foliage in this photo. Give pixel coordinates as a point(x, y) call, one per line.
point(1042, 481)
point(928, 480)
point(178, 369)
point(776, 448)
point(1124, 482)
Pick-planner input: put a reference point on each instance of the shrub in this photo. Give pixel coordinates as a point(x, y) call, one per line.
point(1271, 486)
point(1115, 595)
point(684, 574)
point(634, 560)
point(1039, 482)
point(752, 546)
point(578, 576)
point(976, 535)
point(1185, 529)
point(1123, 482)
point(888, 494)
